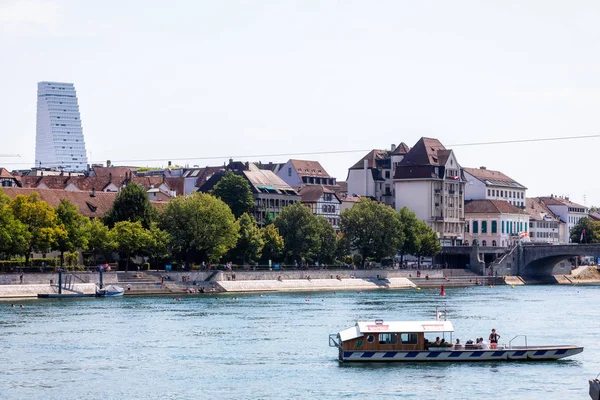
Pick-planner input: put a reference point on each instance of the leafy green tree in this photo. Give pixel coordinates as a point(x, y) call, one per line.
point(373, 229)
point(300, 230)
point(130, 239)
point(342, 249)
point(157, 246)
point(274, 243)
point(99, 238)
point(75, 225)
point(250, 244)
point(200, 222)
point(592, 231)
point(40, 222)
point(410, 226)
point(131, 204)
point(428, 242)
point(13, 233)
point(235, 191)
point(329, 239)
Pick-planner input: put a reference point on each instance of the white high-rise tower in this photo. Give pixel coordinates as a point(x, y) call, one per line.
point(59, 138)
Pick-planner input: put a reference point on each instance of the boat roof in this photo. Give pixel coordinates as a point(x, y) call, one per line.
point(381, 326)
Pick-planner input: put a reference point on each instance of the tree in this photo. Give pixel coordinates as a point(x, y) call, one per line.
point(250, 242)
point(373, 229)
point(329, 239)
point(131, 204)
point(428, 242)
point(200, 222)
point(39, 220)
point(235, 191)
point(300, 230)
point(274, 243)
point(592, 231)
point(157, 246)
point(13, 233)
point(74, 224)
point(410, 225)
point(99, 238)
point(130, 239)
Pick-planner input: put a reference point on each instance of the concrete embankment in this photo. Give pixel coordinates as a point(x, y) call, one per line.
point(315, 284)
point(23, 291)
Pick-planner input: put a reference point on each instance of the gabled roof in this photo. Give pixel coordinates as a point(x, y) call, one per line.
point(371, 158)
point(89, 205)
point(402, 148)
point(5, 174)
point(309, 168)
point(491, 207)
point(116, 172)
point(493, 178)
point(312, 193)
point(560, 201)
point(177, 184)
point(424, 152)
point(537, 210)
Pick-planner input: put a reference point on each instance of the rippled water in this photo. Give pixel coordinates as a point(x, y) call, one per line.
point(245, 346)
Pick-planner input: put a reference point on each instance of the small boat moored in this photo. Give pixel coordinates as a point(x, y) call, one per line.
point(110, 291)
point(405, 341)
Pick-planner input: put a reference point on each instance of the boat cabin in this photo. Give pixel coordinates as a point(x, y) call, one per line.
point(392, 336)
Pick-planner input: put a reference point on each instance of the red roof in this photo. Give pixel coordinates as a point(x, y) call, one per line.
point(491, 207)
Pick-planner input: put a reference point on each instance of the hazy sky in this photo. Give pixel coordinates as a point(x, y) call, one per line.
point(183, 80)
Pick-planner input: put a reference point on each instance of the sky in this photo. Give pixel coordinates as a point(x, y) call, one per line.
point(198, 82)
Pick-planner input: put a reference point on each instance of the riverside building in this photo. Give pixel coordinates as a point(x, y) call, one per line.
point(59, 139)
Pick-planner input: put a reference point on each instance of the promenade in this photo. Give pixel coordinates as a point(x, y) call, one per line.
point(218, 281)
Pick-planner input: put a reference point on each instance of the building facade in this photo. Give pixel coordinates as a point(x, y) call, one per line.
point(429, 182)
point(373, 175)
point(570, 213)
point(495, 223)
point(544, 225)
point(59, 139)
point(324, 202)
point(301, 173)
point(486, 184)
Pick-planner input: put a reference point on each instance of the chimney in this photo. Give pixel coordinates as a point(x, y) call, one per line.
point(393, 147)
point(108, 163)
point(170, 164)
point(482, 167)
point(247, 165)
point(93, 194)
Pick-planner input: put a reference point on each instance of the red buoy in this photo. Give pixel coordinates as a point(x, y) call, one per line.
point(442, 293)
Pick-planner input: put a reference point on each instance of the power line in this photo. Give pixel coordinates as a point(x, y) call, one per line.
point(255, 156)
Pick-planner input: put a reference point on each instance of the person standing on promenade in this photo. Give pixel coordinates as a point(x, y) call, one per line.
point(21, 279)
point(494, 339)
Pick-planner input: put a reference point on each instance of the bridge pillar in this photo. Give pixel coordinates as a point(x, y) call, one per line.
point(520, 261)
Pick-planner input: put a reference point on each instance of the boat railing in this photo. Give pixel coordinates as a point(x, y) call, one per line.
point(333, 340)
point(511, 340)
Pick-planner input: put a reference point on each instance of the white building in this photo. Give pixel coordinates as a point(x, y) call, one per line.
point(544, 225)
point(494, 223)
point(322, 202)
point(569, 212)
point(59, 137)
point(430, 183)
point(301, 173)
point(373, 175)
point(486, 184)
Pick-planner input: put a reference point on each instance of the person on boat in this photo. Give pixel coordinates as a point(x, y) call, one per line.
point(494, 339)
point(457, 344)
point(437, 341)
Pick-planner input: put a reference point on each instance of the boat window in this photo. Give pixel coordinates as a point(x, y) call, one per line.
point(409, 338)
point(370, 338)
point(388, 338)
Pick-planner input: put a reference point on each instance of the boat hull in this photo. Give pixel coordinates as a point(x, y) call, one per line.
point(538, 353)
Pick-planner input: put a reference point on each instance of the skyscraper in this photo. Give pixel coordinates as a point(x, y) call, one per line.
point(59, 138)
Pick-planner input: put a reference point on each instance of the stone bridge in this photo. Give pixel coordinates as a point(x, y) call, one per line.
point(551, 259)
point(523, 260)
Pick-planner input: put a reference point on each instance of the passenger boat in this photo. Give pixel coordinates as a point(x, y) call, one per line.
point(405, 341)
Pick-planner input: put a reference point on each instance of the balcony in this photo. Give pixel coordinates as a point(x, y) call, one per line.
point(451, 191)
point(437, 191)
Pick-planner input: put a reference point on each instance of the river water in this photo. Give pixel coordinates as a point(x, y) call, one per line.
point(275, 346)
